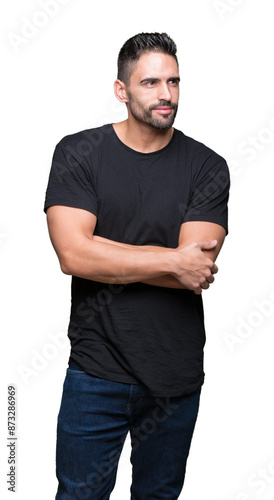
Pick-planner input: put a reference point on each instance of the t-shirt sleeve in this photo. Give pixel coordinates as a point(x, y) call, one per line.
point(70, 180)
point(210, 194)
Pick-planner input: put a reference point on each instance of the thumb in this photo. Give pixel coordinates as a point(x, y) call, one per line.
point(208, 245)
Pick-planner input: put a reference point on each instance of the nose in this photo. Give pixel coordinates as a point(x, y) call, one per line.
point(164, 93)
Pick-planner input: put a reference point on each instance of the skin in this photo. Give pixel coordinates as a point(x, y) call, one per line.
point(151, 98)
point(154, 81)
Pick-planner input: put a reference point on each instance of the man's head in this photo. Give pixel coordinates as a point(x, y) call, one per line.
point(141, 44)
point(148, 79)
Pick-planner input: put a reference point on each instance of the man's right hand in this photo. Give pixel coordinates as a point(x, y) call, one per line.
point(193, 268)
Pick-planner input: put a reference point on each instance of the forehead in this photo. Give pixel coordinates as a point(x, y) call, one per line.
point(155, 65)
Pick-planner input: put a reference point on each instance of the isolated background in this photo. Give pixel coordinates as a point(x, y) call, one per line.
point(59, 81)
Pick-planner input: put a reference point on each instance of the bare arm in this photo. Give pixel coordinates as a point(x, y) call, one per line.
point(190, 233)
point(166, 280)
point(197, 231)
point(71, 232)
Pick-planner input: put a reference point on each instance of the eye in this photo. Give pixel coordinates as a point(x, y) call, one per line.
point(174, 82)
point(150, 83)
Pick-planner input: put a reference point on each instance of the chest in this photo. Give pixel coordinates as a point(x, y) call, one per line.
point(141, 202)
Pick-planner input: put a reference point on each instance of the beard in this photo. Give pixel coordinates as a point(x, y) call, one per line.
point(145, 115)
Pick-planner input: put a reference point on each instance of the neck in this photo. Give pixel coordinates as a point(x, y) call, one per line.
point(142, 137)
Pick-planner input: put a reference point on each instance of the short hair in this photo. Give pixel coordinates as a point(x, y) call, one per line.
point(139, 44)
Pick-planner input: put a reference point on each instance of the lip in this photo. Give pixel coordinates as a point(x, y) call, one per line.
point(164, 110)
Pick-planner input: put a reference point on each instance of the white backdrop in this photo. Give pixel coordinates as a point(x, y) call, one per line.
point(58, 67)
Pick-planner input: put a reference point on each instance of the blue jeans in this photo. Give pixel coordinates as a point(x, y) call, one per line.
point(94, 419)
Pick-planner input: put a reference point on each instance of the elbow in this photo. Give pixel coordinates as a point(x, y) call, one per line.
point(65, 269)
point(66, 264)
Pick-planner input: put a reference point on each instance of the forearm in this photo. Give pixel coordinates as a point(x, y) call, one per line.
point(80, 254)
point(131, 247)
point(166, 280)
point(114, 263)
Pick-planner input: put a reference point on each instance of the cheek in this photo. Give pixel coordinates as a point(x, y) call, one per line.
point(145, 101)
point(146, 96)
point(176, 95)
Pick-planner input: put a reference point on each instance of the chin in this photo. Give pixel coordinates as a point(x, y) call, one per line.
point(162, 126)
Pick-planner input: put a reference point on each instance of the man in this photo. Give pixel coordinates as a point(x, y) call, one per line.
point(137, 214)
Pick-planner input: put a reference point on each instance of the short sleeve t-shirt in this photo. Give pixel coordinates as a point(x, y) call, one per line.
point(139, 333)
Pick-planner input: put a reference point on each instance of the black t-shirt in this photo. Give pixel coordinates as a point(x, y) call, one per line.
point(138, 333)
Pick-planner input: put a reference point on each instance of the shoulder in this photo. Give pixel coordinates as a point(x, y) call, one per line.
point(197, 150)
point(203, 162)
point(85, 140)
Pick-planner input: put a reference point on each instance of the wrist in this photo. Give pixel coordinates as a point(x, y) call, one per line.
point(168, 262)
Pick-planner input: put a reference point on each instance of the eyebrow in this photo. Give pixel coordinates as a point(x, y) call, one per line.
point(145, 80)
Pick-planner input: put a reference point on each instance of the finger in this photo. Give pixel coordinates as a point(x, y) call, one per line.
point(210, 279)
point(214, 269)
point(205, 285)
point(207, 245)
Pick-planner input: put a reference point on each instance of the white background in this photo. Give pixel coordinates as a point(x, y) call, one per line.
point(57, 79)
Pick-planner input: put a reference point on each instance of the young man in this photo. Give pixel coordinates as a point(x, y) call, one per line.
point(137, 213)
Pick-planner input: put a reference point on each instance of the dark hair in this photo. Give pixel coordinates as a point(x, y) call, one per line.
point(138, 45)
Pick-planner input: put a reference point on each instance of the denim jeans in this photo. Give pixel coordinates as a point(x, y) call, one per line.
point(94, 419)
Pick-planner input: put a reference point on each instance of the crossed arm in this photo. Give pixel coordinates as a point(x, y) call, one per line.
point(81, 253)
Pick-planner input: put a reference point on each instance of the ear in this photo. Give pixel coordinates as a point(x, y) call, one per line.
point(120, 91)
